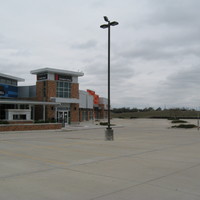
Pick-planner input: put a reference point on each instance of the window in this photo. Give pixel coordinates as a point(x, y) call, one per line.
point(19, 117)
point(84, 115)
point(14, 83)
point(90, 115)
point(63, 89)
point(3, 80)
point(24, 106)
point(8, 81)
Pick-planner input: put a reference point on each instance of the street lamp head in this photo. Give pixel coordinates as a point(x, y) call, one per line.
point(104, 26)
point(106, 19)
point(114, 23)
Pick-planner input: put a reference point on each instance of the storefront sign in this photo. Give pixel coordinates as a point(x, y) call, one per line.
point(95, 96)
point(41, 77)
point(8, 91)
point(59, 77)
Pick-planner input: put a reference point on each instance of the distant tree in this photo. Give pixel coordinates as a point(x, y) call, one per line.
point(134, 110)
point(121, 110)
point(148, 109)
point(159, 109)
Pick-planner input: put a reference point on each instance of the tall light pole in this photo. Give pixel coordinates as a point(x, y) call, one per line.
point(109, 130)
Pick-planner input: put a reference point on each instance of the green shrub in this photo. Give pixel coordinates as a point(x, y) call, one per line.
point(39, 121)
point(105, 124)
point(53, 121)
point(4, 122)
point(178, 121)
point(46, 121)
point(185, 126)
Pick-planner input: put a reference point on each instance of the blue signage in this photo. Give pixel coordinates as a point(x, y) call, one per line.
point(8, 91)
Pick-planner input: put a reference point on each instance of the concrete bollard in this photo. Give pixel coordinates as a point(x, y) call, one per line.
point(109, 134)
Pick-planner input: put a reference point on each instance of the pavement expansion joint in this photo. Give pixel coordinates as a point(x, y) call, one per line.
point(26, 173)
point(148, 182)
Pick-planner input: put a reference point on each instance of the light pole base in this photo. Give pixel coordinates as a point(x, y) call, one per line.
point(109, 134)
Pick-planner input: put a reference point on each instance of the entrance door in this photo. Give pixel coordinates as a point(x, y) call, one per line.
point(63, 117)
point(66, 117)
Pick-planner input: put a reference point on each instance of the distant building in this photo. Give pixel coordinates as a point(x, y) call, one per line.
point(55, 97)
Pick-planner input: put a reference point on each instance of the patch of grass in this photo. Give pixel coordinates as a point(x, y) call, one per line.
point(105, 124)
point(39, 122)
point(42, 121)
point(178, 121)
point(164, 114)
point(185, 126)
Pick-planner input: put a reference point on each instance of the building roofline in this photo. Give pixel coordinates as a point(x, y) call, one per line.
point(57, 71)
point(7, 101)
point(12, 77)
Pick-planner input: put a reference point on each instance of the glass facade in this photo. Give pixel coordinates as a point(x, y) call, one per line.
point(63, 89)
point(8, 81)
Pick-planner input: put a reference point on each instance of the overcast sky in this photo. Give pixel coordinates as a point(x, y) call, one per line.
point(155, 49)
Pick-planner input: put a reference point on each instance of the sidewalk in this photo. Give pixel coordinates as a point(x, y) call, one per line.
point(87, 126)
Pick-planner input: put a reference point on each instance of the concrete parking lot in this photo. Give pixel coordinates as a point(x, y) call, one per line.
point(147, 160)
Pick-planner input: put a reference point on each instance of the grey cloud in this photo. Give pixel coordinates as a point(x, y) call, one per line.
point(2, 38)
point(11, 47)
point(129, 101)
point(4, 41)
point(97, 4)
point(166, 48)
point(180, 88)
point(96, 75)
point(169, 29)
point(18, 69)
point(21, 52)
point(149, 53)
point(160, 53)
point(86, 45)
point(173, 13)
point(185, 79)
point(120, 69)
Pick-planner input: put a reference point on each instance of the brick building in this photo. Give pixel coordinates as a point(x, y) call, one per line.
point(55, 97)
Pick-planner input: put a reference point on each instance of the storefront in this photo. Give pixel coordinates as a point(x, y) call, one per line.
point(55, 97)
